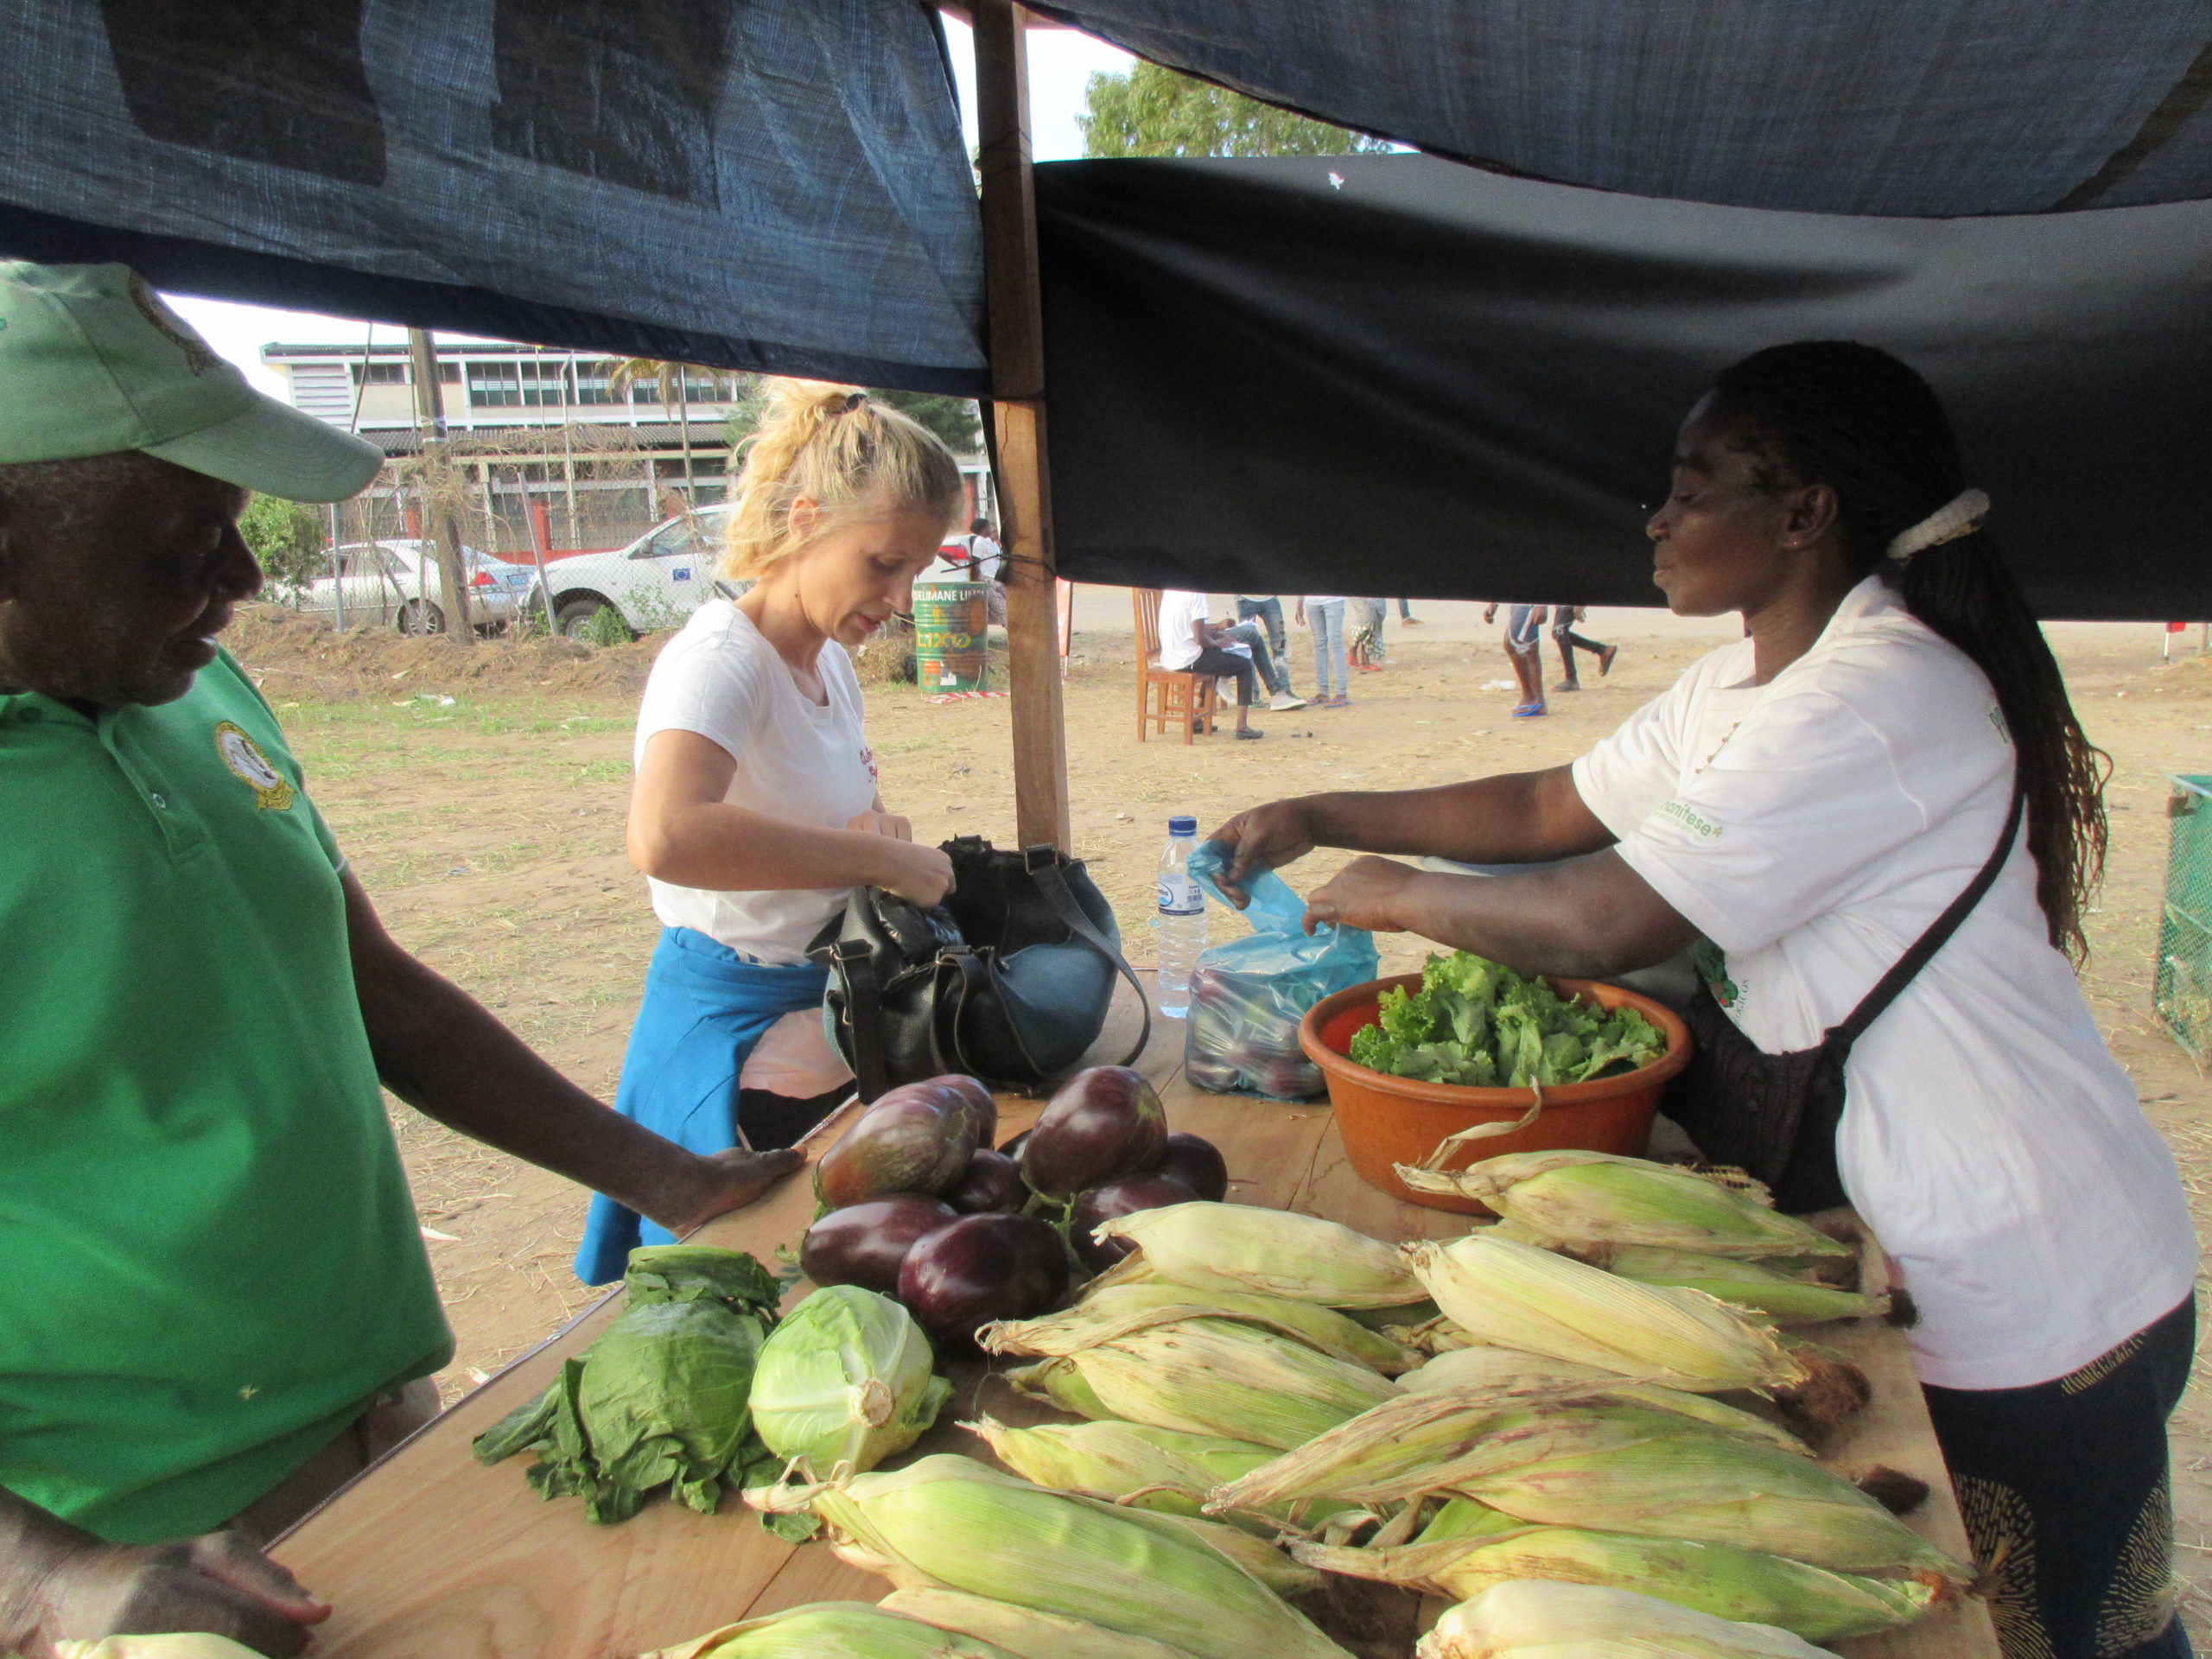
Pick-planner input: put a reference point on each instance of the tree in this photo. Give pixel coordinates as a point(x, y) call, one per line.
point(289, 539)
point(1154, 112)
point(668, 381)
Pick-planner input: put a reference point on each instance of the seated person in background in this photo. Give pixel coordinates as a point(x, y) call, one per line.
point(1192, 641)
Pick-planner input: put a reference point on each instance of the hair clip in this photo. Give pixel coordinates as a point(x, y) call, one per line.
point(853, 401)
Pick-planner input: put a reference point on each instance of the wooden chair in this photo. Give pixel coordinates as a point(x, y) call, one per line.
point(1168, 696)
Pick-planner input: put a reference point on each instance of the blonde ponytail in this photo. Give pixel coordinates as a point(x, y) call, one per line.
point(853, 457)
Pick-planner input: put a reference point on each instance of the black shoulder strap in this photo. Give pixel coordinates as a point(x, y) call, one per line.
point(1043, 863)
point(1939, 932)
point(854, 963)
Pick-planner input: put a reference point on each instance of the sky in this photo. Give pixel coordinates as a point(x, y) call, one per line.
point(1061, 62)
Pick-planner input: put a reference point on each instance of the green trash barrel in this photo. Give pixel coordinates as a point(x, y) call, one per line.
point(949, 634)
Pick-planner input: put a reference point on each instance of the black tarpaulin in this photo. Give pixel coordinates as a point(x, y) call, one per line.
point(1934, 107)
point(1391, 374)
point(776, 185)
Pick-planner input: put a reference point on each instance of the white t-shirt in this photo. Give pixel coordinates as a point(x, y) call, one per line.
point(1178, 611)
point(804, 762)
point(984, 556)
point(1314, 600)
point(1811, 829)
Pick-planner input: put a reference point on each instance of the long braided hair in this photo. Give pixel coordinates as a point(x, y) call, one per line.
point(1858, 419)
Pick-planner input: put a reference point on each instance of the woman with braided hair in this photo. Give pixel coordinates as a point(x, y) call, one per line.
point(1876, 823)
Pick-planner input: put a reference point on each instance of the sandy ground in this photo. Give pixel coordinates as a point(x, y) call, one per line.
point(480, 793)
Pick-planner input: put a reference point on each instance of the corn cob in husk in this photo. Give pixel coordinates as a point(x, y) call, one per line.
point(1582, 1621)
point(1588, 1198)
point(1723, 1580)
point(949, 1523)
point(1211, 1377)
point(1480, 1373)
point(1135, 1463)
point(834, 1630)
point(1785, 1298)
point(1512, 1295)
point(1242, 1247)
point(1102, 1315)
point(1022, 1631)
point(1617, 1468)
point(1462, 1517)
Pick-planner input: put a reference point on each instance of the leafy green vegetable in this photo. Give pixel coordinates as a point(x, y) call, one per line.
point(1477, 1023)
point(845, 1381)
point(663, 1398)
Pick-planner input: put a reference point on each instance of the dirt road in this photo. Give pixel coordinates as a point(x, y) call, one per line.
point(480, 796)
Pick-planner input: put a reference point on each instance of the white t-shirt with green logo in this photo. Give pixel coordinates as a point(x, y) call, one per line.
point(1811, 829)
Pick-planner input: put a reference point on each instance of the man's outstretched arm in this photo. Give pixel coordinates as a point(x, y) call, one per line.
point(442, 1053)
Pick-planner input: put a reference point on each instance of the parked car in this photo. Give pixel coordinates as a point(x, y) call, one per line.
point(395, 583)
point(654, 583)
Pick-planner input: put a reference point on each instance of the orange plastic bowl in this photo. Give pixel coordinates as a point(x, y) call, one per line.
point(1386, 1121)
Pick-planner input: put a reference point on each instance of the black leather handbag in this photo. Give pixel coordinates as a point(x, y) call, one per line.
point(1009, 979)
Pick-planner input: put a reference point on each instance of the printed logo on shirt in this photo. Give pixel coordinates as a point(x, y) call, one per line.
point(250, 767)
point(868, 759)
point(1703, 829)
point(1711, 965)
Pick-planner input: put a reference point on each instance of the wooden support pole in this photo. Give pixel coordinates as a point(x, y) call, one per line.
point(438, 488)
point(1017, 341)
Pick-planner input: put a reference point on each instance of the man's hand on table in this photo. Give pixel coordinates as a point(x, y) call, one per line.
point(58, 1583)
point(724, 1181)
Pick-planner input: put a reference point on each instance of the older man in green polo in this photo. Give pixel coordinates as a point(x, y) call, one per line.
point(216, 1301)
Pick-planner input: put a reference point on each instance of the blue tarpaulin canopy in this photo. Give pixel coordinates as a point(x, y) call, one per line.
point(1935, 108)
point(781, 186)
point(778, 186)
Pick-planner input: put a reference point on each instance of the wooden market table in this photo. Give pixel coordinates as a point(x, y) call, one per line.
point(430, 1555)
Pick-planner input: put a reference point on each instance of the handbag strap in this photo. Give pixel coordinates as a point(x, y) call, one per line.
point(855, 962)
point(1043, 863)
point(1886, 991)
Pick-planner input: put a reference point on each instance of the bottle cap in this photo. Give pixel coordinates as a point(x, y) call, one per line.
point(1182, 826)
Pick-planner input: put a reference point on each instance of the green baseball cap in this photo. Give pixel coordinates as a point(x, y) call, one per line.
point(92, 362)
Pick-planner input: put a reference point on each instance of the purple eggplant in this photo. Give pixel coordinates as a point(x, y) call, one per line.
point(981, 1268)
point(866, 1244)
point(1196, 1162)
point(973, 1098)
point(1152, 1189)
point(993, 1183)
point(1103, 1123)
point(915, 1139)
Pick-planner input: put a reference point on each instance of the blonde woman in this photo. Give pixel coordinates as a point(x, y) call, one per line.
point(756, 807)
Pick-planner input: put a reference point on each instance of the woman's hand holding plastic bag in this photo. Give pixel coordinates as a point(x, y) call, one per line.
point(1248, 996)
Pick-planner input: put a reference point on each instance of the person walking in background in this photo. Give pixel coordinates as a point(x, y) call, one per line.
point(1525, 649)
point(1265, 610)
point(1564, 617)
point(1406, 614)
point(1191, 641)
point(985, 559)
point(1325, 614)
point(1367, 649)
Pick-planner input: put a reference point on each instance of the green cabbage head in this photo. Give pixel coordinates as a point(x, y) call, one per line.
point(846, 1378)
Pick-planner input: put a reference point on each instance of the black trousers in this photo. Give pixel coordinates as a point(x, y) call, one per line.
point(2065, 1491)
point(766, 1120)
point(1221, 664)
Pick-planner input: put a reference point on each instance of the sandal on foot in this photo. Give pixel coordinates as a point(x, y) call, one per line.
point(1247, 732)
point(1528, 711)
point(1606, 660)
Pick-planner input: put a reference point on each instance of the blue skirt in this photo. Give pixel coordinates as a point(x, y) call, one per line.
point(704, 1010)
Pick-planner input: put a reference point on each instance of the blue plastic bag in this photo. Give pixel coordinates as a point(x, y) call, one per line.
point(1247, 996)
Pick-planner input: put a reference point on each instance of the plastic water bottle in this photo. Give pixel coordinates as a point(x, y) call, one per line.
point(1182, 918)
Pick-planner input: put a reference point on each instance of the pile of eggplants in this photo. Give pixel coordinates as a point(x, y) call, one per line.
point(917, 1203)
